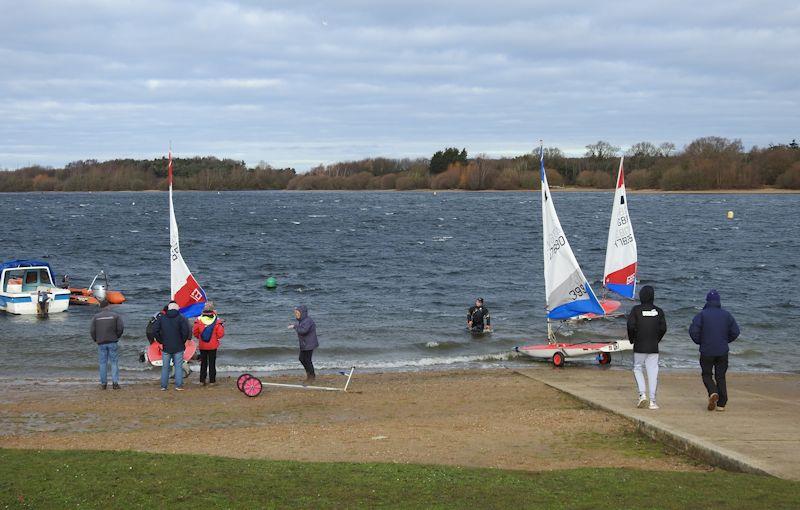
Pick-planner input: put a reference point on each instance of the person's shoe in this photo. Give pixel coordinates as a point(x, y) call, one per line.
point(103, 386)
point(642, 402)
point(720, 408)
point(203, 383)
point(712, 401)
point(212, 383)
point(115, 386)
point(653, 405)
point(163, 389)
point(178, 388)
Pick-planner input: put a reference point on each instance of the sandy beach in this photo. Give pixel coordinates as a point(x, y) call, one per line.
point(487, 418)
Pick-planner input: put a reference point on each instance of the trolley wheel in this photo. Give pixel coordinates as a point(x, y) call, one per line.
point(558, 359)
point(240, 381)
point(604, 358)
point(252, 387)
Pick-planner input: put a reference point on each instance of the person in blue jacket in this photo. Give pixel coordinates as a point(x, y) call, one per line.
point(306, 331)
point(713, 329)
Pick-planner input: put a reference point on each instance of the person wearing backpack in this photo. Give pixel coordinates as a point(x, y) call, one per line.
point(151, 337)
point(208, 329)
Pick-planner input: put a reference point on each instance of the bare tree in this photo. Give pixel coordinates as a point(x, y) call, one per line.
point(643, 150)
point(601, 150)
point(666, 149)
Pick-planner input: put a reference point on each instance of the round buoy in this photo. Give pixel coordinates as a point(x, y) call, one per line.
point(271, 283)
point(730, 215)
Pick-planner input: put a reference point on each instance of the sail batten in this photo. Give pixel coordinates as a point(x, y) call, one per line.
point(184, 289)
point(567, 290)
point(619, 274)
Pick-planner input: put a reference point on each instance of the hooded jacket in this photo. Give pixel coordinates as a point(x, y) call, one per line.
point(647, 324)
point(713, 328)
point(200, 324)
point(107, 327)
point(172, 331)
point(306, 330)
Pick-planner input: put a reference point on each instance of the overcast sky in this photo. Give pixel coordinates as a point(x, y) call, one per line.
point(301, 83)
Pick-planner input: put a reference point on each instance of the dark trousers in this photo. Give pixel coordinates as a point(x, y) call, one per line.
point(305, 359)
point(208, 365)
point(715, 383)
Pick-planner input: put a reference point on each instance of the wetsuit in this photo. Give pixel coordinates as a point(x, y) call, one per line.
point(479, 314)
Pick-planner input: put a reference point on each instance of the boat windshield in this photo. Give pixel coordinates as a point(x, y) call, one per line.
point(44, 277)
point(14, 278)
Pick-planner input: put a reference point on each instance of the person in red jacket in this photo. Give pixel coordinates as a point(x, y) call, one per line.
point(208, 329)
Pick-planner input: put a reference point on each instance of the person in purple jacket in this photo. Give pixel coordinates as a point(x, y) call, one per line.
point(713, 329)
point(306, 331)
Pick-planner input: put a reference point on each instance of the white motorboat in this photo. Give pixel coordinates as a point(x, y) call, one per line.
point(27, 288)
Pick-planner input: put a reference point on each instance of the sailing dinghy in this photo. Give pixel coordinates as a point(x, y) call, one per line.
point(568, 292)
point(619, 275)
point(184, 289)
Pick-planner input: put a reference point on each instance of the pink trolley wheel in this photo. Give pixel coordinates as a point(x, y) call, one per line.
point(240, 381)
point(252, 387)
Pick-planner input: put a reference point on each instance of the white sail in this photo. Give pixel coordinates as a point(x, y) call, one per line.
point(183, 287)
point(568, 292)
point(621, 259)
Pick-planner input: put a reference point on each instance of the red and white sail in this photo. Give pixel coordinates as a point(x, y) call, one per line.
point(621, 258)
point(184, 288)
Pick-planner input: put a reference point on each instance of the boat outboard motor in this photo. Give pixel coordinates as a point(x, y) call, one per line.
point(99, 286)
point(42, 303)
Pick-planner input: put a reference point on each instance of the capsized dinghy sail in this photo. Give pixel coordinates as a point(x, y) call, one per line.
point(567, 291)
point(621, 259)
point(184, 288)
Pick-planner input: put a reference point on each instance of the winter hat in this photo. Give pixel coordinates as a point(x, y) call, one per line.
point(713, 296)
point(173, 306)
point(209, 307)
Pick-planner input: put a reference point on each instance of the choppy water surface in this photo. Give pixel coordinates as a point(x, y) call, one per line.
point(388, 276)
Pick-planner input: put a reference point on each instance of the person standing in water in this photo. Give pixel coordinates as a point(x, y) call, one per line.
point(713, 329)
point(306, 331)
point(478, 319)
point(208, 329)
point(647, 325)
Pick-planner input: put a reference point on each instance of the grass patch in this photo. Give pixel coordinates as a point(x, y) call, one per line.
point(87, 479)
point(629, 443)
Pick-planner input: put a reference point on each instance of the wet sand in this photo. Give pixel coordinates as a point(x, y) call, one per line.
point(487, 418)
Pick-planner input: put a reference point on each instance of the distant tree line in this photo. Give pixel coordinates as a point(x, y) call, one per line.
point(207, 173)
point(705, 164)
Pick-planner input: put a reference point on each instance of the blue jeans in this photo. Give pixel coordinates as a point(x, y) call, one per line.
point(104, 353)
point(177, 359)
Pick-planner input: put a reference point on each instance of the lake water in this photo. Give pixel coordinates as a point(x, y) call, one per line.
point(388, 276)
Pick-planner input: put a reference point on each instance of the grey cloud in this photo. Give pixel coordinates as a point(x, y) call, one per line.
point(304, 82)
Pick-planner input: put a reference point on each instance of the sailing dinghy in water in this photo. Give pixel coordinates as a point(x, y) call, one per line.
point(184, 289)
point(619, 274)
point(568, 292)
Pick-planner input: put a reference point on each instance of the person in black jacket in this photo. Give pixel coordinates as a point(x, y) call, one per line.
point(478, 318)
point(172, 331)
point(646, 327)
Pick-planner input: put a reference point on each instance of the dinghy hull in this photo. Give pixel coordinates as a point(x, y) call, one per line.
point(568, 350)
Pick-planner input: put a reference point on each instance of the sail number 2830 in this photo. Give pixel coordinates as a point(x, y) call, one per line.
point(555, 244)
